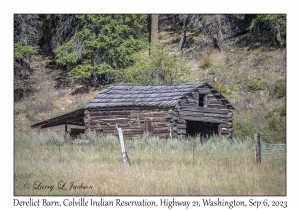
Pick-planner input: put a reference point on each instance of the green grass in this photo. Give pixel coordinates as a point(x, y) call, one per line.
point(256, 85)
point(279, 90)
point(157, 167)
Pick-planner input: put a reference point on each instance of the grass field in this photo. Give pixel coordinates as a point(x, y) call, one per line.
point(157, 167)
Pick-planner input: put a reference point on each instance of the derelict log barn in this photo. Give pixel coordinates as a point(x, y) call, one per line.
point(163, 111)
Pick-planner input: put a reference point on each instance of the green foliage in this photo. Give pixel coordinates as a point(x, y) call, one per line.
point(280, 111)
point(277, 124)
point(256, 85)
point(279, 90)
point(160, 68)
point(84, 70)
point(108, 41)
point(269, 18)
point(221, 88)
point(273, 123)
point(244, 129)
point(81, 70)
point(277, 119)
point(64, 54)
point(238, 16)
point(270, 114)
point(206, 62)
point(21, 51)
point(103, 68)
point(233, 87)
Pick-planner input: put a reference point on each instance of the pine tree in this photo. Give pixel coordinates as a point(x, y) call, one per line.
point(108, 42)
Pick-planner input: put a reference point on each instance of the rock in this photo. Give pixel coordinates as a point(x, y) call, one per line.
point(219, 78)
point(282, 70)
point(31, 113)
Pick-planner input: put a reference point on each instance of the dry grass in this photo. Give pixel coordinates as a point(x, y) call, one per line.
point(47, 100)
point(158, 167)
point(232, 72)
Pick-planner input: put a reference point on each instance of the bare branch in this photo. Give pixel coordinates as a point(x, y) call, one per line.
point(26, 31)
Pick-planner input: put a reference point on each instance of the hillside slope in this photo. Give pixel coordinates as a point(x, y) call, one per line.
point(251, 76)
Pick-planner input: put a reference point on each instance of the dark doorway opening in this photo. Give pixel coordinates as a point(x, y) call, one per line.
point(76, 132)
point(203, 129)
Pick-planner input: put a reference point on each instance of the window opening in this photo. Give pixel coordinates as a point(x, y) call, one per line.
point(202, 101)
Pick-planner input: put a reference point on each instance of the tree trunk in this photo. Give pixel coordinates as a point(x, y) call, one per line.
point(154, 30)
point(220, 34)
point(182, 39)
point(94, 73)
point(183, 34)
point(278, 36)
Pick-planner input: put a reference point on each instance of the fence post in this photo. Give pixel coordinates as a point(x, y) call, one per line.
point(257, 147)
point(124, 154)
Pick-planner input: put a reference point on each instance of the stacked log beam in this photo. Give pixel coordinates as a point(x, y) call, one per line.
point(132, 122)
point(215, 113)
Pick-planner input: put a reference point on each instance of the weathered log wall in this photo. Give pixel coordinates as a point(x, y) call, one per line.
point(212, 113)
point(132, 122)
point(210, 116)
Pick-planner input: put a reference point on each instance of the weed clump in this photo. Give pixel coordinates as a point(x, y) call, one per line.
point(276, 120)
point(277, 111)
point(221, 88)
point(279, 90)
point(256, 85)
point(206, 62)
point(244, 129)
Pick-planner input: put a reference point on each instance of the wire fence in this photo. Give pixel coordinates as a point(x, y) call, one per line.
point(269, 151)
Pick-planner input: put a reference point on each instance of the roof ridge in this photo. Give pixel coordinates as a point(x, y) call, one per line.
point(142, 95)
point(177, 84)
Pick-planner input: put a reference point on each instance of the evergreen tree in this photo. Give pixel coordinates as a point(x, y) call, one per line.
point(26, 38)
point(108, 42)
point(276, 23)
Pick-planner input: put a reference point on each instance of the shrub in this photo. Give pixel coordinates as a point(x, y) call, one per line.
point(273, 123)
point(244, 130)
point(256, 85)
point(51, 138)
point(279, 90)
point(206, 62)
point(221, 88)
point(277, 124)
point(282, 111)
point(233, 87)
point(21, 51)
point(158, 68)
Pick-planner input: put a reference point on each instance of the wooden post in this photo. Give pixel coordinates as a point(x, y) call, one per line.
point(59, 152)
point(124, 154)
point(66, 131)
point(257, 147)
point(170, 131)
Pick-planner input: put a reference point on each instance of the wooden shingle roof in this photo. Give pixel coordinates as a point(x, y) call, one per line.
point(149, 96)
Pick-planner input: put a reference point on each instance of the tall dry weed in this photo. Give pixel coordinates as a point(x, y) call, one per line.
point(157, 167)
